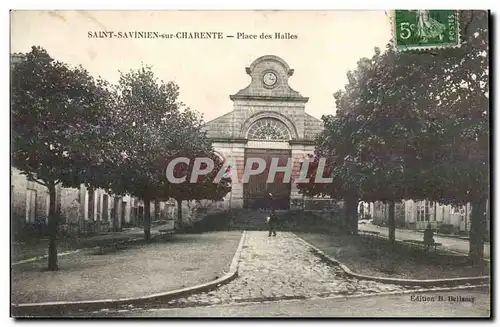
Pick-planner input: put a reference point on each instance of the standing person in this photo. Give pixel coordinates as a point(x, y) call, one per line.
point(428, 237)
point(273, 219)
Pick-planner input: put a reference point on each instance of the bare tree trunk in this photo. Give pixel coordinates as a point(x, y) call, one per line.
point(147, 218)
point(157, 210)
point(52, 257)
point(91, 203)
point(91, 207)
point(477, 231)
point(116, 214)
point(345, 220)
point(392, 222)
point(81, 214)
point(351, 206)
point(179, 214)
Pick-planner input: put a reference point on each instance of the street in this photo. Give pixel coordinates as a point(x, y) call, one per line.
point(453, 244)
point(282, 276)
point(400, 305)
point(280, 267)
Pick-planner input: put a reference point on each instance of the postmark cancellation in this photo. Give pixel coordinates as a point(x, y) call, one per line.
point(425, 29)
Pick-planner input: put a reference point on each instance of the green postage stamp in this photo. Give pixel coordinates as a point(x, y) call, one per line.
point(422, 29)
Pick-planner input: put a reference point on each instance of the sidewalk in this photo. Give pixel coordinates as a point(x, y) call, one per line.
point(24, 251)
point(465, 238)
point(139, 270)
point(452, 244)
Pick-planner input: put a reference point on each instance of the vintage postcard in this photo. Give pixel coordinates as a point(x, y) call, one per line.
point(250, 163)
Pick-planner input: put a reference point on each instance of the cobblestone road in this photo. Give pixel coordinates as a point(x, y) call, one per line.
point(280, 268)
point(284, 267)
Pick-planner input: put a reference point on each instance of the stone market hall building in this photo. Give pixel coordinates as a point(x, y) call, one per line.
point(268, 121)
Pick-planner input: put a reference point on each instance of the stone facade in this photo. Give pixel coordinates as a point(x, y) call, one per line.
point(30, 205)
point(418, 214)
point(267, 114)
point(29, 200)
point(258, 101)
point(421, 213)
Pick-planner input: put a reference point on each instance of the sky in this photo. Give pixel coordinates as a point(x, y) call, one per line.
point(208, 71)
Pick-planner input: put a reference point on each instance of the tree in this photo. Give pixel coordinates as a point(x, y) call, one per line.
point(463, 161)
point(364, 139)
point(360, 140)
point(56, 111)
point(211, 186)
point(334, 146)
point(150, 124)
point(420, 122)
point(447, 123)
point(392, 114)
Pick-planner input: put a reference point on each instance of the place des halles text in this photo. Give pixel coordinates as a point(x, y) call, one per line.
point(187, 35)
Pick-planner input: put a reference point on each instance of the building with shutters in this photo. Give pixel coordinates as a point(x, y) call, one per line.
point(417, 215)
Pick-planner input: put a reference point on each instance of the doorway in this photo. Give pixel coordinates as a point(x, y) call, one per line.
point(258, 193)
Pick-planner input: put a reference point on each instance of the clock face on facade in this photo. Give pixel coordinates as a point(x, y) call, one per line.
point(270, 78)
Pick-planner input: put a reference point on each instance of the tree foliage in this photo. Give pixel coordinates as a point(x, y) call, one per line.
point(56, 111)
point(414, 125)
point(70, 128)
point(56, 114)
point(149, 125)
point(213, 185)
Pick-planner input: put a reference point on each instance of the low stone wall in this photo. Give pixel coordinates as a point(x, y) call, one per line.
point(194, 211)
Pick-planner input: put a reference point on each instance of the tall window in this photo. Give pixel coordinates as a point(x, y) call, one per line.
point(99, 207)
point(47, 208)
point(30, 206)
point(424, 210)
point(428, 208)
point(105, 207)
point(269, 129)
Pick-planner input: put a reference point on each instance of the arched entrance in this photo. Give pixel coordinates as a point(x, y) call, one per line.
point(268, 138)
point(268, 120)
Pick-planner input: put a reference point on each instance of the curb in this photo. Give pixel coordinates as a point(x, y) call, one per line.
point(445, 249)
point(33, 259)
point(464, 238)
point(399, 281)
point(62, 254)
point(438, 235)
point(54, 308)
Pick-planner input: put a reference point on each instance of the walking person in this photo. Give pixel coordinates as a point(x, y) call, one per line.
point(272, 221)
